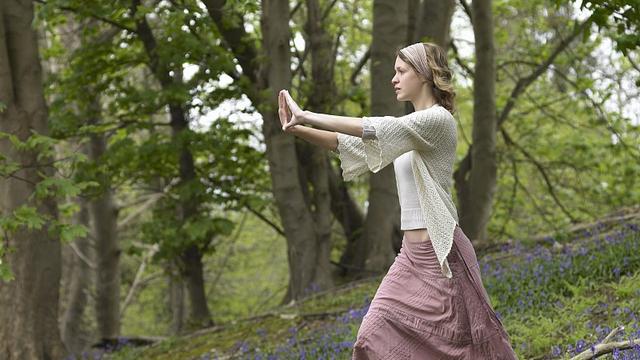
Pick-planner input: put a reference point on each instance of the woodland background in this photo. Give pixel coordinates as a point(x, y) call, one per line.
point(148, 191)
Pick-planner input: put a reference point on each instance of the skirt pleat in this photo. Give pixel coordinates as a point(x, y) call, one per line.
point(418, 313)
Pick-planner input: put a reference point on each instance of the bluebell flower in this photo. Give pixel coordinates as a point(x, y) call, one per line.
point(616, 353)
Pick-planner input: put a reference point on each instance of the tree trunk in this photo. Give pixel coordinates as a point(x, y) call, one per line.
point(29, 303)
point(265, 71)
point(347, 212)
point(331, 191)
point(308, 269)
point(477, 190)
point(321, 99)
point(176, 300)
point(199, 315)
point(74, 334)
point(104, 216)
point(191, 257)
point(434, 22)
point(77, 257)
point(382, 234)
point(390, 32)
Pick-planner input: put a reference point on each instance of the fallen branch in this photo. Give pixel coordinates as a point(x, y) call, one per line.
point(625, 214)
point(606, 347)
point(616, 217)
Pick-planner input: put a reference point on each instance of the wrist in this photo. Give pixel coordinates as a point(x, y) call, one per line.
point(296, 129)
point(307, 117)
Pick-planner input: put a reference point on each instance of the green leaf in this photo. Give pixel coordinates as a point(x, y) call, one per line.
point(224, 226)
point(28, 216)
point(6, 274)
point(69, 232)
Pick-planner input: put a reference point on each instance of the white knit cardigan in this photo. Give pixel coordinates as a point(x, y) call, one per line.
point(431, 136)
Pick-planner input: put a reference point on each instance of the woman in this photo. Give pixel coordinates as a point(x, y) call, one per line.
point(431, 304)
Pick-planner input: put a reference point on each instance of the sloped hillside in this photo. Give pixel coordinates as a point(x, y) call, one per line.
point(559, 295)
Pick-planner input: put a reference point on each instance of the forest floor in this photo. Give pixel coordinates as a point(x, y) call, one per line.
point(558, 295)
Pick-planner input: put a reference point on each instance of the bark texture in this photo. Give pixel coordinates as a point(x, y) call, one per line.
point(107, 251)
point(29, 303)
point(434, 21)
point(382, 224)
point(476, 195)
point(308, 264)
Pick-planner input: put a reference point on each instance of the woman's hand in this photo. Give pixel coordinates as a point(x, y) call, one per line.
point(289, 112)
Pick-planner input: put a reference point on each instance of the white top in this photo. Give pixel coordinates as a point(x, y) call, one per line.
point(432, 134)
point(410, 211)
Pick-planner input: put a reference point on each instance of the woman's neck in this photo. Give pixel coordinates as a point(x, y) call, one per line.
point(424, 100)
point(423, 104)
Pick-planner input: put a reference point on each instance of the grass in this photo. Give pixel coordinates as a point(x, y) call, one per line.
point(556, 298)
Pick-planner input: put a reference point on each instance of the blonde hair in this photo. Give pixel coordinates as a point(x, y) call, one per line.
point(435, 69)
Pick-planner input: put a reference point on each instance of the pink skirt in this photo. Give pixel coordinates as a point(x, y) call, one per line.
point(418, 313)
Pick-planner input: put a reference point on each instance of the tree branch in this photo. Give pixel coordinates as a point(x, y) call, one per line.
point(138, 277)
point(264, 218)
point(327, 11)
point(226, 257)
point(84, 258)
point(633, 63)
point(542, 171)
point(91, 15)
point(459, 61)
point(514, 192)
point(361, 63)
point(601, 114)
point(467, 10)
point(236, 38)
point(524, 82)
point(606, 346)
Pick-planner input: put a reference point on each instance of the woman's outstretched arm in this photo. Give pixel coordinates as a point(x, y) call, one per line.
point(349, 148)
point(322, 138)
point(291, 115)
point(342, 124)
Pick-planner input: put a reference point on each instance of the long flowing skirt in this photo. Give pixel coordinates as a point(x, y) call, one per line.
point(418, 313)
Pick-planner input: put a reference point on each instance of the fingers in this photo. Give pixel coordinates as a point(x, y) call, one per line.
point(281, 110)
point(289, 104)
point(284, 112)
point(287, 107)
point(293, 106)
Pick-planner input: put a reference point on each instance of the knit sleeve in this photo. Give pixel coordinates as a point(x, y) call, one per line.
point(352, 156)
point(387, 137)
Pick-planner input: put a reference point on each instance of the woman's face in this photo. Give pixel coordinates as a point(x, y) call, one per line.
point(406, 82)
